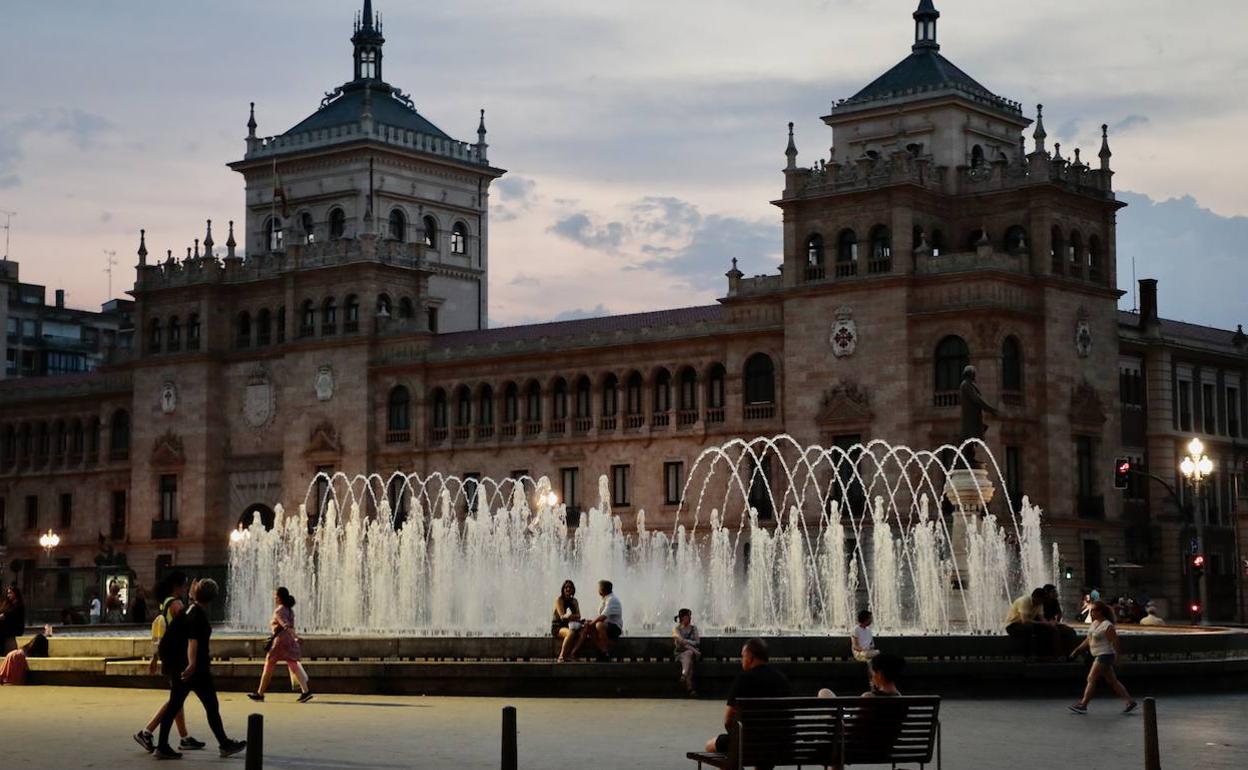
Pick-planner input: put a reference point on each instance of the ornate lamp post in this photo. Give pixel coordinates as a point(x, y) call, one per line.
point(1196, 467)
point(48, 541)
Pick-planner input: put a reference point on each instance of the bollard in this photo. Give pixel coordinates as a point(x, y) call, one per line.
point(1152, 754)
point(255, 742)
point(509, 738)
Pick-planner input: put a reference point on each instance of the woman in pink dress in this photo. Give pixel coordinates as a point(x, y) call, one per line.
point(283, 646)
point(13, 666)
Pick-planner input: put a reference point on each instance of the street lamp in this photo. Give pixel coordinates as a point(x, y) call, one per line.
point(48, 541)
point(1196, 467)
point(551, 499)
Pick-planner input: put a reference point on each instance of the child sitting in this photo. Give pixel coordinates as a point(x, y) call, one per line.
point(862, 639)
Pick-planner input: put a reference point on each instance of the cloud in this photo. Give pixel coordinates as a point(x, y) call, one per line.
point(516, 195)
point(713, 243)
point(524, 279)
point(1130, 122)
point(81, 128)
point(580, 228)
point(597, 311)
point(106, 217)
point(1196, 255)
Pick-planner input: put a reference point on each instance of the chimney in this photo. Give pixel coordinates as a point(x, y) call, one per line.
point(1148, 303)
point(60, 298)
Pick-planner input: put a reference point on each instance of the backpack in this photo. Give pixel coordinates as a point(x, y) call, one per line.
point(160, 624)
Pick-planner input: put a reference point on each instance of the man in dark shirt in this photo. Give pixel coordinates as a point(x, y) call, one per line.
point(188, 664)
point(758, 679)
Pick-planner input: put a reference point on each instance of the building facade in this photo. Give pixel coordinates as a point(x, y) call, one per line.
point(354, 336)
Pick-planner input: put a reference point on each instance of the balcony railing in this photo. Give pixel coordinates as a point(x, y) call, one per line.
point(485, 432)
point(660, 420)
point(398, 436)
point(532, 428)
point(815, 272)
point(879, 265)
point(582, 424)
point(558, 427)
point(634, 421)
point(760, 411)
point(508, 430)
point(945, 398)
point(846, 269)
point(714, 414)
point(350, 327)
point(164, 529)
point(462, 432)
point(438, 435)
point(686, 418)
point(608, 422)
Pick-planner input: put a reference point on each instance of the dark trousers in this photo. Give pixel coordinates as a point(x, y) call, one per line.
point(206, 690)
point(1038, 639)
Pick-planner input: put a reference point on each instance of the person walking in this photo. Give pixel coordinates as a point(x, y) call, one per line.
point(565, 622)
point(687, 639)
point(187, 661)
point(171, 591)
point(284, 645)
point(1102, 642)
point(12, 619)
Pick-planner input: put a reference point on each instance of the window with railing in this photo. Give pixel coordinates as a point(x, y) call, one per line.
point(952, 356)
point(662, 399)
point(846, 254)
point(760, 387)
point(398, 415)
point(881, 260)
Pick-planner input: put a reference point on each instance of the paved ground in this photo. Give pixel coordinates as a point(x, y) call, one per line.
point(72, 727)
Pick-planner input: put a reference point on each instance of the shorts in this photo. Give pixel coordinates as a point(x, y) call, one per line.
point(614, 632)
point(721, 743)
point(1105, 660)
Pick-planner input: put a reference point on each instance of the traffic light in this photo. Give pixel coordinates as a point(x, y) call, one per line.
point(1068, 572)
point(1194, 611)
point(1122, 470)
point(1198, 564)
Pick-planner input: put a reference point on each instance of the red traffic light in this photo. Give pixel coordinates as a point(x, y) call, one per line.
point(1198, 560)
point(1195, 607)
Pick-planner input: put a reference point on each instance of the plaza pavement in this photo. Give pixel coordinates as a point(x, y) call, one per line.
point(71, 727)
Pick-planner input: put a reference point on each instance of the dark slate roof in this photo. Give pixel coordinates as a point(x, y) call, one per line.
point(1183, 331)
point(387, 110)
point(681, 316)
point(924, 69)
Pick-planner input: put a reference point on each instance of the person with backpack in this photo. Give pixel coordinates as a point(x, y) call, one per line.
point(171, 591)
point(187, 661)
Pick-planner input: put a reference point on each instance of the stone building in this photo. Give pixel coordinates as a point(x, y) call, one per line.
point(353, 335)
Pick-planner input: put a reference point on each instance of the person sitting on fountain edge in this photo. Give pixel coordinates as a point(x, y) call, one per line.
point(1026, 623)
point(758, 679)
point(609, 625)
point(862, 640)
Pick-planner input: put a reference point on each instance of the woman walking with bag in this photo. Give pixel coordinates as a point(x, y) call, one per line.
point(283, 646)
point(1102, 643)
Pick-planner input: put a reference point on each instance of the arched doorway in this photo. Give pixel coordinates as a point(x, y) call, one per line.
point(267, 517)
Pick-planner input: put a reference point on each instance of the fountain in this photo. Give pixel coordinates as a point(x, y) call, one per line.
point(770, 537)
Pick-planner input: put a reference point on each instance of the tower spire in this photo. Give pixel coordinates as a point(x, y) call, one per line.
point(251, 122)
point(367, 41)
point(925, 17)
point(790, 152)
point(481, 145)
point(1105, 154)
point(142, 248)
point(1039, 135)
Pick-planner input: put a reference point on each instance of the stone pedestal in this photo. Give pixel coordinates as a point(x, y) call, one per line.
point(970, 491)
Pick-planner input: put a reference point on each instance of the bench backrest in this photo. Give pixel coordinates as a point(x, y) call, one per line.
point(834, 731)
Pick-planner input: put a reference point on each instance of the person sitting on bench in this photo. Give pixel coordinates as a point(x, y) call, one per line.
point(758, 679)
point(609, 625)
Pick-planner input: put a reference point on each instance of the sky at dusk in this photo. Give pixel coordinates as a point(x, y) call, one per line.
point(643, 140)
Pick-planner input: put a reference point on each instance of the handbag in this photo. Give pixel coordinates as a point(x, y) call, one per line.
point(269, 644)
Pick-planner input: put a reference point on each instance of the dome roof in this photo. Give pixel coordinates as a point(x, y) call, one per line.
point(387, 105)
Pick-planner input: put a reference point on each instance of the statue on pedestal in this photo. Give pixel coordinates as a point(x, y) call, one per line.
point(973, 408)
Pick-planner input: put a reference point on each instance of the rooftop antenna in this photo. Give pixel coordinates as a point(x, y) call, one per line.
point(8, 218)
point(110, 261)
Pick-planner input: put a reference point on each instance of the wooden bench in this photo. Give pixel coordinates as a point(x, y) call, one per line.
point(830, 732)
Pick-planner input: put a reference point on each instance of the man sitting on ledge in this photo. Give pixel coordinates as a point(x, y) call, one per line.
point(609, 625)
point(758, 679)
point(1025, 622)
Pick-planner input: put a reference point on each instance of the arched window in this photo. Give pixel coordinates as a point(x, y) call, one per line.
point(119, 433)
point(329, 316)
point(662, 392)
point(242, 330)
point(192, 332)
point(463, 407)
point(459, 238)
point(584, 410)
point(264, 323)
point(430, 233)
point(1057, 251)
point(632, 394)
point(307, 319)
point(154, 336)
point(814, 250)
point(337, 223)
point(406, 309)
point(273, 233)
point(977, 156)
point(351, 314)
point(610, 395)
point(1074, 253)
point(1011, 365)
point(1016, 240)
point(485, 406)
point(760, 379)
point(175, 334)
point(307, 227)
point(559, 399)
point(398, 225)
point(511, 403)
point(881, 250)
point(847, 253)
point(952, 356)
point(938, 241)
point(1094, 258)
point(383, 305)
point(533, 403)
point(688, 395)
point(439, 409)
point(715, 389)
point(398, 409)
point(974, 237)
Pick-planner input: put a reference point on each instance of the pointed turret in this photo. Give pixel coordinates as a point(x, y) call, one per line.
point(208, 241)
point(368, 42)
point(481, 145)
point(925, 17)
point(1039, 134)
point(142, 248)
point(229, 242)
point(790, 152)
point(251, 122)
point(1057, 151)
point(1105, 154)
